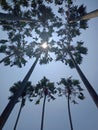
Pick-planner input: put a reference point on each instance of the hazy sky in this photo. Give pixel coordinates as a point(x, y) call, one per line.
point(84, 115)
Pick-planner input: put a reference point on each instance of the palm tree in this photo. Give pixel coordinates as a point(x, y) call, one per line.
point(76, 13)
point(68, 53)
point(7, 111)
point(5, 114)
point(87, 16)
point(90, 89)
point(37, 50)
point(28, 92)
point(44, 89)
point(77, 50)
point(87, 84)
point(72, 55)
point(71, 89)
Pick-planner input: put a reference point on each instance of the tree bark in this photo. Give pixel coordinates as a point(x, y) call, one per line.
point(7, 111)
point(21, 106)
point(90, 15)
point(43, 112)
point(89, 87)
point(69, 112)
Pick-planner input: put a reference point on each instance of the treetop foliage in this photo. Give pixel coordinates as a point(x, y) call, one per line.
point(49, 24)
point(28, 92)
point(72, 88)
point(45, 87)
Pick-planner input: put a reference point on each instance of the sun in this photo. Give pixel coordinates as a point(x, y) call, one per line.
point(44, 45)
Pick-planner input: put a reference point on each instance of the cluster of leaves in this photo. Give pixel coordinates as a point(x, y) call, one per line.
point(18, 32)
point(77, 50)
point(28, 92)
point(76, 12)
point(17, 47)
point(72, 88)
point(66, 34)
point(46, 88)
point(43, 88)
point(46, 23)
point(14, 53)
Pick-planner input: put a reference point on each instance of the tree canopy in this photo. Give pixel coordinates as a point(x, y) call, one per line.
point(49, 20)
point(32, 23)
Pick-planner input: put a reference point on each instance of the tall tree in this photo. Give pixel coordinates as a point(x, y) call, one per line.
point(74, 56)
point(5, 114)
point(71, 89)
point(89, 87)
point(87, 84)
point(36, 53)
point(28, 92)
point(44, 89)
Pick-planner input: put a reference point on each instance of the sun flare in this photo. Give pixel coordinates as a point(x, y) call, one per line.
point(44, 45)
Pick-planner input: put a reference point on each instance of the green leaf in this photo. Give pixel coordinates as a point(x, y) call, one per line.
point(81, 96)
point(37, 102)
point(73, 101)
point(2, 48)
point(3, 41)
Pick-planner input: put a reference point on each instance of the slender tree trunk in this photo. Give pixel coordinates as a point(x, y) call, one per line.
point(21, 106)
point(5, 58)
point(9, 17)
point(18, 117)
point(43, 112)
point(90, 89)
point(7, 111)
point(69, 112)
point(90, 15)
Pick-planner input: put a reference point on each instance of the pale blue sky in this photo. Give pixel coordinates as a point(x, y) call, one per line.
point(85, 115)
